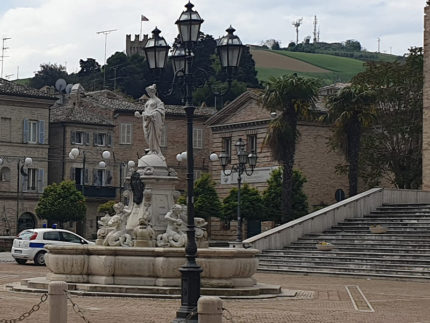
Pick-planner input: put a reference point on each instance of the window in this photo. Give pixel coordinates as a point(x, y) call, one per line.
point(102, 177)
point(79, 138)
point(163, 142)
point(51, 235)
point(5, 129)
point(197, 138)
point(125, 136)
point(5, 174)
point(34, 131)
point(34, 180)
point(102, 139)
point(197, 174)
point(70, 237)
point(226, 147)
point(251, 142)
point(78, 175)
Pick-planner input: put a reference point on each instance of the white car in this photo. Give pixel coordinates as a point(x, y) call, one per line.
point(30, 244)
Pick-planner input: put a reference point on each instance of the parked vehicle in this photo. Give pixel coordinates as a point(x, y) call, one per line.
point(30, 244)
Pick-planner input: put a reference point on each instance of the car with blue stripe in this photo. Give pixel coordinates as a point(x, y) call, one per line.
point(30, 244)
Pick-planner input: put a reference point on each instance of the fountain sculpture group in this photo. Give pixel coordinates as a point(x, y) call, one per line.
point(142, 244)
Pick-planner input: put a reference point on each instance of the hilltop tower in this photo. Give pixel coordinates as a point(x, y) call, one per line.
point(135, 46)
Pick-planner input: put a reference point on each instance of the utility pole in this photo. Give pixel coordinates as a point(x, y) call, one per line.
point(106, 33)
point(297, 24)
point(3, 48)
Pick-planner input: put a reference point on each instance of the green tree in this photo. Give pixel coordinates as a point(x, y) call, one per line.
point(206, 201)
point(393, 148)
point(293, 97)
point(48, 75)
point(61, 203)
point(251, 204)
point(107, 207)
point(88, 66)
point(350, 110)
point(272, 196)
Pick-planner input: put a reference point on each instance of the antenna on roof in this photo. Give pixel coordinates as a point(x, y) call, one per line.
point(2, 54)
point(60, 85)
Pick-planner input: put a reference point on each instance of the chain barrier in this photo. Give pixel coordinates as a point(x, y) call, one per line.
point(228, 317)
point(33, 309)
point(76, 308)
point(192, 313)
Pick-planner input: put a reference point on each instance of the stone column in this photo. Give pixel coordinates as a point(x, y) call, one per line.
point(57, 302)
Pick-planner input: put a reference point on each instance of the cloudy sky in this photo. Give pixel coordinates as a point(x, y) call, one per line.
point(64, 31)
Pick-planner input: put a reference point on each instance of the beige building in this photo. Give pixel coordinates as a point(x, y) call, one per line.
point(426, 102)
point(245, 118)
point(24, 133)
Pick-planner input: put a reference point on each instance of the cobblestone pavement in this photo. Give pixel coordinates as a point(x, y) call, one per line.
point(6, 257)
point(325, 299)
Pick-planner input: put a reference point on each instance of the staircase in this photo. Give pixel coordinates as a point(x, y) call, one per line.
point(402, 252)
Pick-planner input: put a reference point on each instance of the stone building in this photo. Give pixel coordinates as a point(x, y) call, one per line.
point(133, 47)
point(426, 101)
point(245, 118)
point(24, 133)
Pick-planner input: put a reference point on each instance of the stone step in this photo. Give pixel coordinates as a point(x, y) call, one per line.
point(401, 231)
point(346, 253)
point(363, 248)
point(336, 267)
point(326, 272)
point(264, 258)
point(404, 214)
point(368, 236)
point(409, 243)
point(393, 225)
point(358, 265)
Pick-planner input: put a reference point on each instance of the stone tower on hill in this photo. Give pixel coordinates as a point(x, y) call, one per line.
point(135, 46)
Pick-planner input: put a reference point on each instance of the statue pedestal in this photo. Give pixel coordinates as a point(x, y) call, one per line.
point(158, 198)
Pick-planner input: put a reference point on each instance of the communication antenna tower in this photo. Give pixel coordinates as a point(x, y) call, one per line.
point(315, 29)
point(3, 49)
point(379, 45)
point(297, 24)
point(106, 33)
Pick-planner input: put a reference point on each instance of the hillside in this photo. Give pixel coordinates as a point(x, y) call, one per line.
point(327, 68)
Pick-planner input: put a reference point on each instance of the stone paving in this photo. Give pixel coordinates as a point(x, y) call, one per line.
point(321, 299)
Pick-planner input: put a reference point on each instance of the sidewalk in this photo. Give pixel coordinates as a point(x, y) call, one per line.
point(321, 299)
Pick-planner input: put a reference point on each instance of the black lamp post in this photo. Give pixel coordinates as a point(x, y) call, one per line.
point(182, 56)
point(243, 158)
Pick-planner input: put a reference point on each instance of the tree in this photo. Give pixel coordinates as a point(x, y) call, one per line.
point(350, 110)
point(293, 97)
point(207, 203)
point(48, 75)
point(251, 204)
point(393, 147)
point(88, 66)
point(61, 203)
point(107, 207)
point(272, 196)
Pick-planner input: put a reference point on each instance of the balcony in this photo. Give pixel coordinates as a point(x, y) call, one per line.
point(98, 191)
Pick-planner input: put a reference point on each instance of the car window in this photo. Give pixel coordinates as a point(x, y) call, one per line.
point(25, 235)
point(70, 237)
point(51, 235)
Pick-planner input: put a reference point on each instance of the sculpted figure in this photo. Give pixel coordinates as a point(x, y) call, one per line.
point(145, 235)
point(104, 229)
point(175, 235)
point(201, 233)
point(137, 187)
point(118, 235)
point(153, 120)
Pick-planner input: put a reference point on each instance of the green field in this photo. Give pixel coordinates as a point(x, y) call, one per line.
point(329, 62)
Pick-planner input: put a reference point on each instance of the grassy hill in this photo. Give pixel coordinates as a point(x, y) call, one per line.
point(327, 68)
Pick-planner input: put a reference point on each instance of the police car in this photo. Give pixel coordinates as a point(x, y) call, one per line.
point(30, 244)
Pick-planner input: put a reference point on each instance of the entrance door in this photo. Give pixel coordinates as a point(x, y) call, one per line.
point(26, 221)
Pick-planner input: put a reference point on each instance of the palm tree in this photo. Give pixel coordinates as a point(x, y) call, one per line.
point(293, 97)
point(350, 110)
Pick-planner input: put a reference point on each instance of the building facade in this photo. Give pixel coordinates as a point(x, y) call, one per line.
point(24, 133)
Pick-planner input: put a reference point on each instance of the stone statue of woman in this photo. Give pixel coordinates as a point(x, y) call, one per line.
point(153, 120)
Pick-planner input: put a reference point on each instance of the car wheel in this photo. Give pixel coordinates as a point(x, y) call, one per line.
point(40, 258)
point(21, 261)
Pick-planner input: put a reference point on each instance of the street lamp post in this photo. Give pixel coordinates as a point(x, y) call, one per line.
point(229, 49)
point(28, 161)
point(243, 158)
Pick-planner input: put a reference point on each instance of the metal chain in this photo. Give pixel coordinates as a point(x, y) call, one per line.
point(229, 317)
point(34, 308)
point(192, 313)
point(76, 308)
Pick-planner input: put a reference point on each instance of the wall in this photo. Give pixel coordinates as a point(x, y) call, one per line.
point(426, 102)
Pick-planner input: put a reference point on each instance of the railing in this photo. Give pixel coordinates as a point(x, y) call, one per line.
point(353, 207)
point(98, 191)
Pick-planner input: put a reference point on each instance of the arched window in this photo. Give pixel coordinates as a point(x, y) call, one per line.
point(5, 174)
